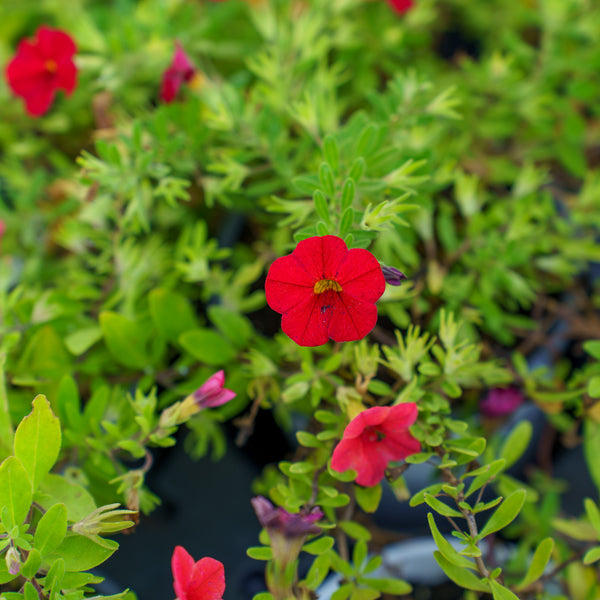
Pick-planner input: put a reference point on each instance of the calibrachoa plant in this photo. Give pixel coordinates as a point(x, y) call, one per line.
point(195, 249)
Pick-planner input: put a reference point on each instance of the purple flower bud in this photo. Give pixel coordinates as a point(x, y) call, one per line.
point(501, 402)
point(279, 520)
point(392, 275)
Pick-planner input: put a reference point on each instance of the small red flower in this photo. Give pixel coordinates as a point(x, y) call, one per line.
point(323, 290)
point(42, 66)
point(202, 580)
point(212, 393)
point(180, 71)
point(375, 437)
point(401, 6)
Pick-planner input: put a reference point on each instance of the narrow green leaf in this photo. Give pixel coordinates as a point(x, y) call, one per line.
point(29, 592)
point(538, 563)
point(592, 347)
point(331, 152)
point(348, 193)
point(321, 206)
point(516, 443)
point(593, 388)
point(396, 587)
point(462, 577)
point(326, 179)
point(37, 440)
point(235, 327)
point(505, 513)
point(318, 571)
point(357, 169)
point(440, 507)
point(51, 529)
point(591, 449)
point(319, 546)
point(446, 548)
point(15, 489)
point(484, 475)
point(346, 221)
point(593, 513)
point(263, 596)
point(55, 576)
point(208, 346)
point(499, 592)
point(6, 429)
point(591, 556)
point(355, 530)
point(260, 553)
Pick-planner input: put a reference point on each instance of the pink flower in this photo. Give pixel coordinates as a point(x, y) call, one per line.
point(42, 66)
point(203, 580)
point(401, 6)
point(180, 71)
point(500, 402)
point(212, 393)
point(374, 438)
point(323, 290)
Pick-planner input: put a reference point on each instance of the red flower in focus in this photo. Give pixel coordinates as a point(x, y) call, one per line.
point(401, 6)
point(42, 66)
point(323, 290)
point(202, 580)
point(375, 437)
point(180, 71)
point(212, 393)
point(501, 402)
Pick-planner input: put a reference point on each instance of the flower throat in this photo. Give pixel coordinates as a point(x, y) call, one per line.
point(325, 285)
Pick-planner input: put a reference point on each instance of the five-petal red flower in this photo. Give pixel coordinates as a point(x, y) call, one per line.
point(180, 71)
point(323, 290)
point(375, 437)
point(401, 6)
point(42, 66)
point(202, 580)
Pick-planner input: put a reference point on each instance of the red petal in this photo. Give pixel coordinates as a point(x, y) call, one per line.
point(400, 416)
point(182, 565)
point(401, 6)
point(321, 256)
point(307, 322)
point(55, 44)
point(360, 275)
point(66, 76)
point(208, 580)
point(366, 418)
point(39, 102)
point(288, 284)
point(351, 318)
point(361, 456)
point(25, 74)
point(399, 446)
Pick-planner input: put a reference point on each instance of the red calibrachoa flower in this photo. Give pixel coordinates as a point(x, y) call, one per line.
point(212, 393)
point(501, 402)
point(323, 290)
point(401, 6)
point(375, 437)
point(202, 580)
point(42, 66)
point(180, 71)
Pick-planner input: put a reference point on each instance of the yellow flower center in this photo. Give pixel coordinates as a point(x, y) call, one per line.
point(324, 285)
point(50, 66)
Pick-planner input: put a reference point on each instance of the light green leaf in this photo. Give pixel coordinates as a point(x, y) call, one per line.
point(483, 475)
point(499, 592)
point(505, 513)
point(208, 346)
point(446, 548)
point(260, 553)
point(319, 546)
point(593, 513)
point(31, 566)
point(593, 388)
point(37, 440)
point(81, 553)
point(364, 594)
point(125, 339)
point(440, 507)
point(591, 449)
point(6, 429)
point(77, 500)
point(591, 556)
point(462, 577)
point(51, 529)
point(82, 340)
point(355, 530)
point(516, 443)
point(15, 489)
point(538, 563)
point(396, 587)
point(368, 498)
point(318, 571)
point(171, 313)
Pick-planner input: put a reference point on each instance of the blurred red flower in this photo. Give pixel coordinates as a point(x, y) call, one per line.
point(202, 580)
point(375, 437)
point(501, 402)
point(212, 393)
point(42, 66)
point(401, 6)
point(180, 71)
point(323, 290)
